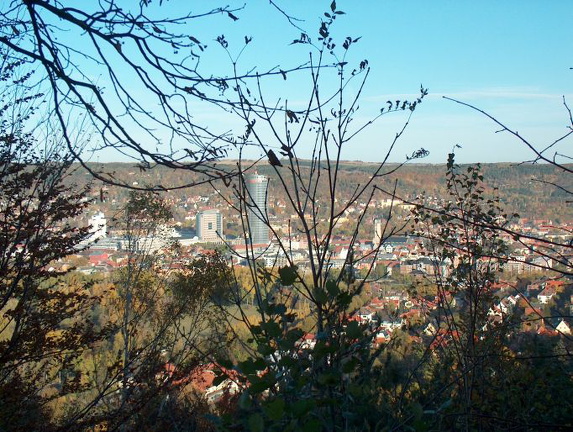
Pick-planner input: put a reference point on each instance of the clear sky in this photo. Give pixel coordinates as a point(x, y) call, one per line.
point(511, 58)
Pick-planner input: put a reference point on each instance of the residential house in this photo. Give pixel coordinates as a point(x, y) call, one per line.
point(563, 327)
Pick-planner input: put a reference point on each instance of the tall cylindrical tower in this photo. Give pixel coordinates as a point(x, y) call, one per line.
point(257, 208)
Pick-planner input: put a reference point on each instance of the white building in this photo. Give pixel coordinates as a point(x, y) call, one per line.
point(209, 225)
point(98, 227)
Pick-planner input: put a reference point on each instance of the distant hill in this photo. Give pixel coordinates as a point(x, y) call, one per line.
point(526, 189)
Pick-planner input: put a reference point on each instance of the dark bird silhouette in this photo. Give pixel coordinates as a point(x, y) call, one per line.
point(273, 159)
point(286, 151)
point(292, 117)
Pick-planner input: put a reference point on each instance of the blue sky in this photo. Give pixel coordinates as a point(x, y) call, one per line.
point(511, 58)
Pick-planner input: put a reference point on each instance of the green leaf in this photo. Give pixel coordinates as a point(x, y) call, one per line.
point(350, 365)
point(353, 330)
point(258, 387)
point(329, 378)
point(313, 425)
point(320, 296)
point(420, 425)
point(287, 275)
point(278, 309)
point(256, 423)
point(265, 349)
point(225, 363)
point(249, 367)
point(332, 288)
point(294, 334)
point(275, 409)
point(272, 329)
point(301, 407)
point(355, 389)
point(417, 410)
point(321, 349)
point(260, 364)
point(287, 362)
point(344, 299)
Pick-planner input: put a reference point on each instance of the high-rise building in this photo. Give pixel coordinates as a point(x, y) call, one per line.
point(97, 227)
point(257, 208)
point(209, 225)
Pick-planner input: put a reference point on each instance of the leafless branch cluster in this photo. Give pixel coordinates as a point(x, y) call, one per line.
point(134, 74)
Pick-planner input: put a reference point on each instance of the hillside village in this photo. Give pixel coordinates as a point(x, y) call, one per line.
point(528, 292)
point(399, 297)
point(400, 257)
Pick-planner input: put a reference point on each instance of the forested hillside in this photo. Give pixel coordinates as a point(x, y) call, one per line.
point(526, 189)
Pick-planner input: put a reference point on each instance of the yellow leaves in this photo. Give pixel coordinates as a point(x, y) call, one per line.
point(55, 336)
